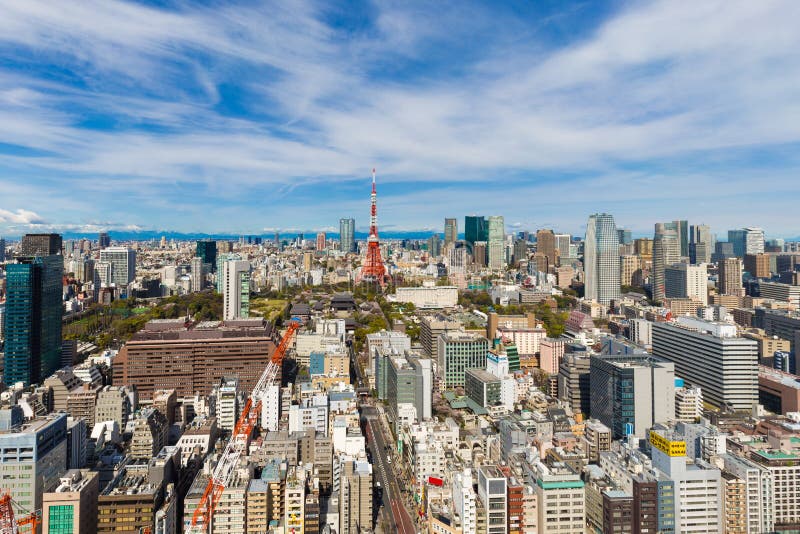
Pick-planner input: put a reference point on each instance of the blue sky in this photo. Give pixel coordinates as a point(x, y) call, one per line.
point(254, 116)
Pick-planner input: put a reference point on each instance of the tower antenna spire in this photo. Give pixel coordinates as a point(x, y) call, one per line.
point(373, 269)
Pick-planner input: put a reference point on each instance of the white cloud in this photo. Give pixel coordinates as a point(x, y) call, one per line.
point(661, 81)
point(21, 216)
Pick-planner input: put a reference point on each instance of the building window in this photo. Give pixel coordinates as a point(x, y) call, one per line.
point(61, 518)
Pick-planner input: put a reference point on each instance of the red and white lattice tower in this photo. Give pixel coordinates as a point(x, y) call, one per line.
point(373, 269)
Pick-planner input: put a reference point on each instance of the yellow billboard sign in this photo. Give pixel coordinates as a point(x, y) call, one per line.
point(668, 447)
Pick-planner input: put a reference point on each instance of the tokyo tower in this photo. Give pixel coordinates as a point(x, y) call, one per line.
point(373, 269)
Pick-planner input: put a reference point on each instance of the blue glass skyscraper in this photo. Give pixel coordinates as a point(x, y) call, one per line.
point(33, 319)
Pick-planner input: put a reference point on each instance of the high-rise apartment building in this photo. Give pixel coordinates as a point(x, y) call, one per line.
point(682, 280)
point(321, 241)
point(33, 311)
point(198, 277)
point(496, 233)
point(347, 235)
point(123, 265)
point(236, 283)
point(207, 251)
point(730, 277)
point(643, 247)
point(628, 267)
point(710, 355)
point(759, 488)
point(666, 251)
point(479, 253)
point(601, 259)
point(355, 496)
point(450, 231)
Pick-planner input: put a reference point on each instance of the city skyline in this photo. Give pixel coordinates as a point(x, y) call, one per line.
point(133, 116)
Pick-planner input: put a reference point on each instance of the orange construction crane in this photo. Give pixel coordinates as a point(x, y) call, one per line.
point(9, 524)
point(223, 472)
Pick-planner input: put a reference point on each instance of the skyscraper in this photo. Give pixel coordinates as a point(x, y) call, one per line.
point(434, 246)
point(2, 250)
point(737, 239)
point(497, 231)
point(666, 251)
point(123, 264)
point(546, 246)
point(701, 243)
point(207, 251)
point(753, 241)
point(236, 281)
point(682, 229)
point(103, 240)
point(347, 229)
point(321, 241)
point(450, 231)
point(33, 317)
point(730, 277)
point(563, 242)
point(40, 245)
point(475, 229)
point(601, 259)
point(197, 273)
point(479, 253)
point(686, 281)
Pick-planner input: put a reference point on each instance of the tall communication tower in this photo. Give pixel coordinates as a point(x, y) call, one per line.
point(373, 269)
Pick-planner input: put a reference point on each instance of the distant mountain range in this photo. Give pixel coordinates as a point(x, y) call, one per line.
point(148, 235)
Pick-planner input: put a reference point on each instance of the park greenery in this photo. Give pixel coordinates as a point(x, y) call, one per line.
point(110, 326)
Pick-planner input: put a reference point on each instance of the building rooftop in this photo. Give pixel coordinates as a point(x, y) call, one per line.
point(179, 330)
point(74, 481)
point(773, 454)
point(784, 379)
point(483, 375)
point(131, 483)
